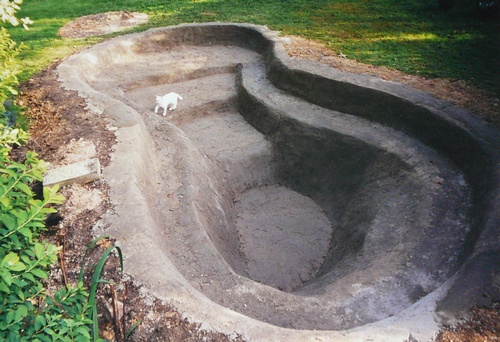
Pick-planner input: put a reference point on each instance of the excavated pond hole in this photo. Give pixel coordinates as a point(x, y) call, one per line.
point(282, 250)
point(271, 206)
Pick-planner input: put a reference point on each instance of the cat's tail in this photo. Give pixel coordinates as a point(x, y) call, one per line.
point(179, 97)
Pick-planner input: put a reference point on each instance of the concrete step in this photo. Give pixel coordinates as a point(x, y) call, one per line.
point(284, 105)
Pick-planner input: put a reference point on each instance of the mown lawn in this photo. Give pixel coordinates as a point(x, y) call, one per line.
point(415, 37)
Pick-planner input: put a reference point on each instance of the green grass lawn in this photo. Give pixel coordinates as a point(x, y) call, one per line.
point(412, 36)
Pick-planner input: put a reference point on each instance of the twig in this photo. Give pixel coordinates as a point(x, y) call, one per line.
point(62, 254)
point(123, 311)
point(114, 304)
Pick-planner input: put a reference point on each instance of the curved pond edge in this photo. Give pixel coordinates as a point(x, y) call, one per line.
point(467, 141)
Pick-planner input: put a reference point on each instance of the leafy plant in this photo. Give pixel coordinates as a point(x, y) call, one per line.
point(62, 317)
point(8, 10)
point(9, 66)
point(9, 69)
point(26, 312)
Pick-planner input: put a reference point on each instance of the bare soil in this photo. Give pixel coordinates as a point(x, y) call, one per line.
point(62, 129)
point(101, 24)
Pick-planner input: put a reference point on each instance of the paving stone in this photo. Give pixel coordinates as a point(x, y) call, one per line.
point(82, 172)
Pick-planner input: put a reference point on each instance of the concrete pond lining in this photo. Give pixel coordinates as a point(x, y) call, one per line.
point(286, 200)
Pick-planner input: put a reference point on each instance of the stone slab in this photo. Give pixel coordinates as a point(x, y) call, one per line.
point(82, 172)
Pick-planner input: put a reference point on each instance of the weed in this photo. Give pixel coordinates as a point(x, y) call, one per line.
point(120, 329)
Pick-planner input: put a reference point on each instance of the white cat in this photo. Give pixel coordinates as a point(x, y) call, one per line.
point(167, 102)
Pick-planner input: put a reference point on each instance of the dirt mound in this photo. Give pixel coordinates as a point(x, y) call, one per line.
point(102, 23)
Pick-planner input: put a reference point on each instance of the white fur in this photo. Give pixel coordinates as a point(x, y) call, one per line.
point(167, 102)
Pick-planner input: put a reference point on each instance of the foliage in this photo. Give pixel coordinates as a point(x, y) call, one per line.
point(8, 9)
point(26, 313)
point(9, 50)
point(8, 67)
point(64, 317)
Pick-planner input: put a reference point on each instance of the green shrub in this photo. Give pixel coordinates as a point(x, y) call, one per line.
point(8, 50)
point(8, 68)
point(26, 312)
